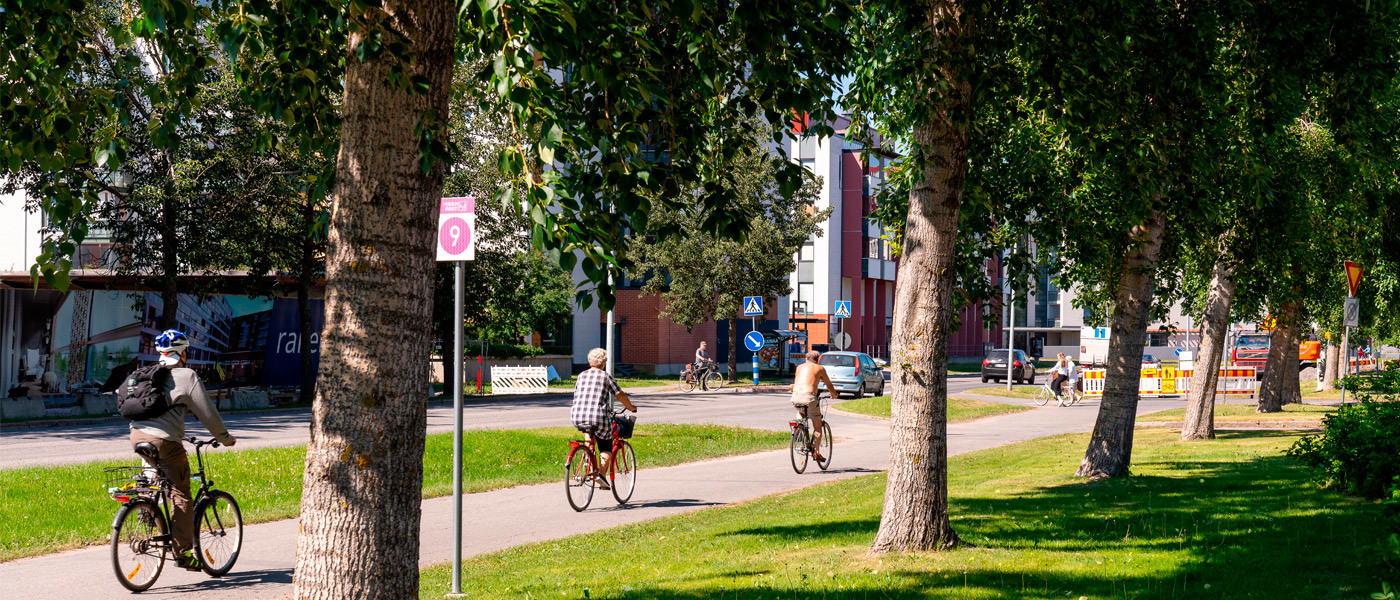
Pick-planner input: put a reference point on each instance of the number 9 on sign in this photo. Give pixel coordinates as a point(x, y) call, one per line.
point(455, 237)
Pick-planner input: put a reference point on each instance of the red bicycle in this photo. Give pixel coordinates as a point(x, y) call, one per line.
point(581, 473)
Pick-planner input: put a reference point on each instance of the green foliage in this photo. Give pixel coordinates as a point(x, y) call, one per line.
point(1358, 451)
point(702, 275)
point(502, 350)
point(627, 95)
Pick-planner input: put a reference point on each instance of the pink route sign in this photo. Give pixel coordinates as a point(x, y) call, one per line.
point(456, 229)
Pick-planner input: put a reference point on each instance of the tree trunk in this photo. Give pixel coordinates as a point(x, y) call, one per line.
point(1292, 392)
point(1283, 350)
point(169, 256)
point(360, 508)
point(915, 515)
point(1332, 369)
point(308, 271)
point(1111, 445)
point(1215, 325)
point(734, 345)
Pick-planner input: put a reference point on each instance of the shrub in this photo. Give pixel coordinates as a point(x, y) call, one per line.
point(513, 351)
point(1358, 451)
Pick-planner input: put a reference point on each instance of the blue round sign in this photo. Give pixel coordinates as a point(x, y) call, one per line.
point(753, 341)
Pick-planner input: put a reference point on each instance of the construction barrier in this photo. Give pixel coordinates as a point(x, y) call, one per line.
point(519, 380)
point(1234, 382)
point(1364, 363)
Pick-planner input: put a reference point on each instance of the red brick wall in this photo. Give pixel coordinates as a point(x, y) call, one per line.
point(649, 339)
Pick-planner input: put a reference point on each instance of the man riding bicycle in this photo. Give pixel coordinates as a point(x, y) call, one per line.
point(806, 398)
point(702, 363)
point(1064, 370)
point(593, 393)
point(166, 432)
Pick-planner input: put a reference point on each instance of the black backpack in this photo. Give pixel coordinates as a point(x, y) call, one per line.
point(142, 396)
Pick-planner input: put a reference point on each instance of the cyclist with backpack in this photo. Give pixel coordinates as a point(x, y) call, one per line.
point(156, 398)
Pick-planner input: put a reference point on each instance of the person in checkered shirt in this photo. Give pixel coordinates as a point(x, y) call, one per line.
point(594, 390)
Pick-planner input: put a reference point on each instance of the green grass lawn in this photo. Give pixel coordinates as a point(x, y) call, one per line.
point(1225, 413)
point(45, 509)
point(1224, 518)
point(1018, 391)
point(959, 409)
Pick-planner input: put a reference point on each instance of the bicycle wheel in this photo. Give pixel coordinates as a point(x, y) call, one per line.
point(1074, 397)
point(578, 478)
point(687, 383)
point(798, 448)
point(713, 380)
point(1042, 395)
point(624, 473)
point(219, 535)
point(139, 544)
point(825, 446)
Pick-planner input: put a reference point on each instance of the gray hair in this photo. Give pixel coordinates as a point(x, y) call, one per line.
point(813, 356)
point(597, 358)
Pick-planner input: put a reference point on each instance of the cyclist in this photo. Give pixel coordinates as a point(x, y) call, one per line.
point(594, 390)
point(1064, 370)
point(166, 432)
point(805, 397)
point(702, 363)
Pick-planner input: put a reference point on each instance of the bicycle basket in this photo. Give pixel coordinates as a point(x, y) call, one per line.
point(624, 426)
point(130, 481)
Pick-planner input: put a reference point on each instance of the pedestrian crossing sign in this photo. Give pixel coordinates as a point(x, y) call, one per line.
point(753, 306)
point(843, 308)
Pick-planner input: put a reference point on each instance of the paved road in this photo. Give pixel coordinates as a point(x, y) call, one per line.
point(82, 443)
point(505, 518)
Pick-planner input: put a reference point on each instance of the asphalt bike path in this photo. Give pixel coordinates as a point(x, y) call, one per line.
point(501, 519)
point(67, 444)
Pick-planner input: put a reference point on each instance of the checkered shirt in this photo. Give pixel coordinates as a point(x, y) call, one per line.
point(593, 391)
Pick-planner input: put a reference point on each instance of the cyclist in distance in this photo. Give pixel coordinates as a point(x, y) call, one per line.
point(593, 391)
point(805, 397)
point(166, 432)
point(1064, 370)
point(702, 362)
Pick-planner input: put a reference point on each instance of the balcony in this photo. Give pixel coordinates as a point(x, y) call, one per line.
point(874, 268)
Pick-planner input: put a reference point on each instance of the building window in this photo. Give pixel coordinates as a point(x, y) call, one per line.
point(808, 252)
point(804, 294)
point(1157, 339)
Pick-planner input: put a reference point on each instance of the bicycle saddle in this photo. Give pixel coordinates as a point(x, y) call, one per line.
point(147, 450)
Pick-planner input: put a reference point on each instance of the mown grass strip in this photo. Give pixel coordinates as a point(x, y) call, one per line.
point(1226, 413)
point(46, 509)
point(959, 409)
point(1224, 518)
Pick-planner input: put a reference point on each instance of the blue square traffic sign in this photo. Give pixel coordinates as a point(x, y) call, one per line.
point(753, 306)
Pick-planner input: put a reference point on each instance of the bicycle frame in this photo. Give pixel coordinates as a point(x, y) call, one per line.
point(161, 497)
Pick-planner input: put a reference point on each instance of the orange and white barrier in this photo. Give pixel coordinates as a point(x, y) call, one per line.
point(1234, 382)
point(1363, 363)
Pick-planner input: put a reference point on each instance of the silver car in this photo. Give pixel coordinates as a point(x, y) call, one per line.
point(853, 373)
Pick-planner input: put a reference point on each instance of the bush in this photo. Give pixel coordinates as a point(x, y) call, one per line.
point(1358, 451)
point(513, 351)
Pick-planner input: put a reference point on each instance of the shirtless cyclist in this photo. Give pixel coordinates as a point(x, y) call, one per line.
point(806, 400)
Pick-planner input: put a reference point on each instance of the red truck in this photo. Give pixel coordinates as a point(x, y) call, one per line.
point(1252, 350)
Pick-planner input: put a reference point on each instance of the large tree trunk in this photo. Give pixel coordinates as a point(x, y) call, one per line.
point(360, 508)
point(307, 272)
point(1200, 403)
point(1111, 445)
point(1283, 352)
point(1292, 392)
point(1332, 368)
point(734, 345)
point(915, 513)
point(169, 257)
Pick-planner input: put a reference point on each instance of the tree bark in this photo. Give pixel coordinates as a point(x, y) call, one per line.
point(734, 345)
point(1283, 351)
point(1332, 369)
point(307, 272)
point(1110, 449)
point(169, 255)
point(915, 515)
point(360, 509)
point(1215, 325)
point(1292, 392)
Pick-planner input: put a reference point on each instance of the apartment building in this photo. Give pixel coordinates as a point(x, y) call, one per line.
point(847, 262)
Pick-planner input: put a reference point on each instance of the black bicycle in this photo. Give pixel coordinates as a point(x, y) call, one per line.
point(142, 536)
point(801, 448)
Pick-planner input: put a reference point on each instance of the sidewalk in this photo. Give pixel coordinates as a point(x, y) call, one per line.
point(509, 517)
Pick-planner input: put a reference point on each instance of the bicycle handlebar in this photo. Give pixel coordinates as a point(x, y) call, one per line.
point(197, 442)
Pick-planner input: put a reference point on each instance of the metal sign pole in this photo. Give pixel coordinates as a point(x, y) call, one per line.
point(1346, 360)
point(755, 354)
point(458, 317)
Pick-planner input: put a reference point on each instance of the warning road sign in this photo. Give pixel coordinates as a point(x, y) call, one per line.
point(753, 306)
point(1351, 313)
point(1353, 276)
point(843, 309)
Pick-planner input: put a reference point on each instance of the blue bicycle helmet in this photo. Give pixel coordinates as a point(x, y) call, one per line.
point(172, 340)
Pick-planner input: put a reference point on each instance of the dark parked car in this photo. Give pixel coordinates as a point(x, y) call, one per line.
point(994, 367)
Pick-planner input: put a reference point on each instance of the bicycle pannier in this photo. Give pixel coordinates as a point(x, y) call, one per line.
point(142, 396)
point(624, 426)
